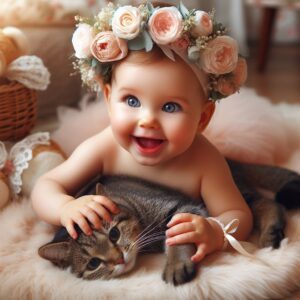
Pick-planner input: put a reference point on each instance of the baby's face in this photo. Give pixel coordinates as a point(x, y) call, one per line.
point(155, 109)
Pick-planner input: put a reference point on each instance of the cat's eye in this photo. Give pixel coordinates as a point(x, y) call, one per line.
point(133, 101)
point(114, 234)
point(94, 263)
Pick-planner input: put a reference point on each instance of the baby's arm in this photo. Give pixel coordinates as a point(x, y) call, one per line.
point(223, 201)
point(52, 195)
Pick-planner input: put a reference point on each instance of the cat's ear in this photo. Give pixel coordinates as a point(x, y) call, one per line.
point(100, 189)
point(57, 252)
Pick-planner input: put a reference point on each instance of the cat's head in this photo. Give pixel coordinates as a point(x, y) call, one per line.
point(107, 253)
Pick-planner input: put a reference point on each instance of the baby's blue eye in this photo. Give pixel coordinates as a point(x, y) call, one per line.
point(171, 107)
point(133, 101)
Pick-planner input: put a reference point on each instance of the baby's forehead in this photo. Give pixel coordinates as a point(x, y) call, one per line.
point(148, 71)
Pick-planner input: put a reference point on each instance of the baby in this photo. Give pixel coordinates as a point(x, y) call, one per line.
point(161, 70)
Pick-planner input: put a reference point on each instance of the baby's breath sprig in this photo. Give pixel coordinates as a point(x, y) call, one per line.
point(202, 41)
point(189, 21)
point(103, 19)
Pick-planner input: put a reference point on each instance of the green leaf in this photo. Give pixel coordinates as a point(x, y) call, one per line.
point(183, 10)
point(94, 63)
point(142, 41)
point(148, 41)
point(150, 7)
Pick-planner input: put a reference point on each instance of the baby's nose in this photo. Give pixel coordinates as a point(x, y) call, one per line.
point(149, 121)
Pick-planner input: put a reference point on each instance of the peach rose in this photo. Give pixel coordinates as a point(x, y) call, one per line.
point(220, 56)
point(230, 84)
point(126, 22)
point(165, 25)
point(203, 24)
point(107, 47)
point(182, 43)
point(240, 72)
point(82, 39)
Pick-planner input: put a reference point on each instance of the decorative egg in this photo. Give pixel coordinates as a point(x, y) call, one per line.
point(44, 158)
point(4, 190)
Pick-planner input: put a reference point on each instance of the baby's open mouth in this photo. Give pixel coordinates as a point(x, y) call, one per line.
point(148, 145)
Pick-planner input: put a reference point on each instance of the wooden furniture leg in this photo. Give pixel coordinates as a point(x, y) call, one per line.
point(267, 25)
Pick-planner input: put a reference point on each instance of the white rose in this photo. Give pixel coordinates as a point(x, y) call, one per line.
point(193, 53)
point(203, 24)
point(126, 22)
point(82, 39)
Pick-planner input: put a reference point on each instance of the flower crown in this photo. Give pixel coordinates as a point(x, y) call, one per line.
point(191, 34)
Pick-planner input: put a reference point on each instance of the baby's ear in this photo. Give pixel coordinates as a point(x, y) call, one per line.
point(206, 115)
point(106, 88)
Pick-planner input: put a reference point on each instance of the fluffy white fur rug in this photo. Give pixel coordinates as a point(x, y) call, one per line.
point(24, 275)
point(275, 274)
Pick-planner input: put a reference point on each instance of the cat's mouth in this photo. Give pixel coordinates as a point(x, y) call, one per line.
point(129, 258)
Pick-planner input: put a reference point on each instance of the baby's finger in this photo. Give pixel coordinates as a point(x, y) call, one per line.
point(100, 211)
point(180, 218)
point(110, 205)
point(185, 238)
point(200, 254)
point(81, 221)
point(92, 216)
point(71, 230)
point(180, 228)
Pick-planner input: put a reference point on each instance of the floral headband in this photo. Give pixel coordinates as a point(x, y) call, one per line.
point(191, 34)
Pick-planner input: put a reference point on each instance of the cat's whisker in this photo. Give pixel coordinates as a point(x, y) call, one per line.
point(140, 246)
point(151, 237)
point(145, 232)
point(147, 238)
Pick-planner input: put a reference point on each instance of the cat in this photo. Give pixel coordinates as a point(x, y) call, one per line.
point(147, 207)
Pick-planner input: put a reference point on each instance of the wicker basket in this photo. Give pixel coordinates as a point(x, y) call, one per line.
point(18, 108)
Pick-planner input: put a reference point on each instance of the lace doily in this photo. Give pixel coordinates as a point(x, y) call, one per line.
point(16, 161)
point(30, 71)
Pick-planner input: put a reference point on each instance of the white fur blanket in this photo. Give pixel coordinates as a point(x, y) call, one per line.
point(227, 275)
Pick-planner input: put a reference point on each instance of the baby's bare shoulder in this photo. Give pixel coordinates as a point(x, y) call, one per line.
point(207, 154)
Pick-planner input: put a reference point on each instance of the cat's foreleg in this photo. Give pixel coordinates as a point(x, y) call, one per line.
point(269, 221)
point(179, 267)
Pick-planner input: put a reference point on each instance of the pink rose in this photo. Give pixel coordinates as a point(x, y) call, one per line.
point(165, 25)
point(240, 72)
point(126, 22)
point(107, 47)
point(181, 44)
point(203, 24)
point(82, 39)
point(220, 56)
point(231, 83)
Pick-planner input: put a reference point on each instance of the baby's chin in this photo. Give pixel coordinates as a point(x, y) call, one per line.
point(129, 263)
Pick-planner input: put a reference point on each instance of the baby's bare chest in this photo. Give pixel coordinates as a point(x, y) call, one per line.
point(185, 176)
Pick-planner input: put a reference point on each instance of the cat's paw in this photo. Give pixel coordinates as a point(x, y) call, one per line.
point(179, 272)
point(272, 236)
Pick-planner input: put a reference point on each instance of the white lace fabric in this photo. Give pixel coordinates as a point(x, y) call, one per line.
point(30, 71)
point(19, 157)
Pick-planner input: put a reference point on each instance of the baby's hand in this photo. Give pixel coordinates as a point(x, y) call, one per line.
point(86, 208)
point(185, 228)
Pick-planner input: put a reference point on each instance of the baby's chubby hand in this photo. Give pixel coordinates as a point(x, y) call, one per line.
point(186, 228)
point(86, 211)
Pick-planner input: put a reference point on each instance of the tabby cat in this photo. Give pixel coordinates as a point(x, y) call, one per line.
point(147, 207)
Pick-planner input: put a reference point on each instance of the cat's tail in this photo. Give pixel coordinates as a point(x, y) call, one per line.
point(284, 183)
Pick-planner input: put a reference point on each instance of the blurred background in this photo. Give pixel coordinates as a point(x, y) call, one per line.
point(268, 32)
